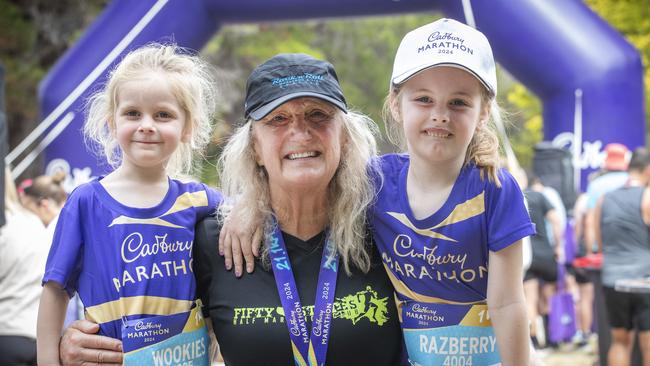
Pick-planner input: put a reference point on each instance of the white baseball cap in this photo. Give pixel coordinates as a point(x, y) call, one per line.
point(445, 42)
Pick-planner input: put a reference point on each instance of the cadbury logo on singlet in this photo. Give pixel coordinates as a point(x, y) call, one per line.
point(135, 250)
point(426, 264)
point(419, 253)
point(134, 247)
point(147, 329)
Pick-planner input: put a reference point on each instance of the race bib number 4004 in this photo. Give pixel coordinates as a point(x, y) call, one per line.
point(179, 339)
point(449, 335)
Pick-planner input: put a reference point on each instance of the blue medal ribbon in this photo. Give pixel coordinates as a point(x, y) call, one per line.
point(309, 348)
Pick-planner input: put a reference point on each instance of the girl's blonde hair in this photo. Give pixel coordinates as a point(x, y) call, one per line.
point(483, 149)
point(350, 192)
point(192, 83)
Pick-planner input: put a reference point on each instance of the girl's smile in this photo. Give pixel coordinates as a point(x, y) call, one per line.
point(440, 109)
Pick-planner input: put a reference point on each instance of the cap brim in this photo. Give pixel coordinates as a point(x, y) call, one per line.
point(262, 111)
point(400, 79)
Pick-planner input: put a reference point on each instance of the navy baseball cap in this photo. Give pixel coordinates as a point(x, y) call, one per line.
point(288, 76)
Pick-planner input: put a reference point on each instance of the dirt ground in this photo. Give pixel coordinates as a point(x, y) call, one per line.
point(570, 355)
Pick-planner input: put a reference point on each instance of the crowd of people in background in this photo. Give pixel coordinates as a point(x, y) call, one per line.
point(608, 224)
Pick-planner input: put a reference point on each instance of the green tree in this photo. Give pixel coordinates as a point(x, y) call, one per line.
point(35, 33)
point(525, 127)
point(361, 50)
point(632, 19)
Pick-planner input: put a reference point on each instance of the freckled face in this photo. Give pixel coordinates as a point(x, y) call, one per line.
point(149, 123)
point(299, 144)
point(440, 109)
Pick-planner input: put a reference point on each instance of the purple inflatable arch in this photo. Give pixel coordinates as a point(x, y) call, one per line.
point(555, 48)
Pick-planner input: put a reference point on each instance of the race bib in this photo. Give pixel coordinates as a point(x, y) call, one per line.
point(180, 339)
point(449, 335)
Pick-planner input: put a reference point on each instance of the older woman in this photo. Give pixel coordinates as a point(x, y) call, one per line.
point(320, 293)
point(300, 158)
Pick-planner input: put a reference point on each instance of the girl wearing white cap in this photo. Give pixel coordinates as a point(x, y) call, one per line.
point(448, 222)
point(445, 210)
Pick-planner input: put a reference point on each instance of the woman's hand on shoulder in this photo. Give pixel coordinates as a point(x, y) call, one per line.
point(81, 346)
point(239, 242)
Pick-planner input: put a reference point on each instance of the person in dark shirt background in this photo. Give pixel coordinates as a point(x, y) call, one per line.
point(622, 219)
point(543, 266)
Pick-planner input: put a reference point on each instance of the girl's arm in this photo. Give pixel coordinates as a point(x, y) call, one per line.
point(51, 313)
point(506, 305)
point(240, 240)
point(213, 339)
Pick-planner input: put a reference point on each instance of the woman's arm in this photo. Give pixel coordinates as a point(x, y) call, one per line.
point(51, 313)
point(506, 305)
point(80, 346)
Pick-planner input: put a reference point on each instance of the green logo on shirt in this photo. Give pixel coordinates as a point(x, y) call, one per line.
point(364, 304)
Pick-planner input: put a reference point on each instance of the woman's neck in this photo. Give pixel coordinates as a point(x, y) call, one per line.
point(302, 214)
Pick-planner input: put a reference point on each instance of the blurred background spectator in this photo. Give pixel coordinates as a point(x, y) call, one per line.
point(23, 252)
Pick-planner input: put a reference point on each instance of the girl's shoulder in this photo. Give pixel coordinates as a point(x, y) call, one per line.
point(392, 163)
point(480, 177)
point(385, 170)
point(393, 159)
point(194, 188)
point(474, 181)
point(83, 191)
point(188, 185)
point(507, 190)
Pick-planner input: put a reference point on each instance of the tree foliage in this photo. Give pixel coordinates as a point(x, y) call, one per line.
point(37, 32)
point(632, 19)
point(362, 52)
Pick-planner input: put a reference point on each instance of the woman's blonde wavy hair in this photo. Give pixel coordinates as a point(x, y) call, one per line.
point(193, 85)
point(483, 149)
point(351, 190)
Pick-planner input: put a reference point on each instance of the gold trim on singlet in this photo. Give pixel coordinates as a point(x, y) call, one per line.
point(150, 305)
